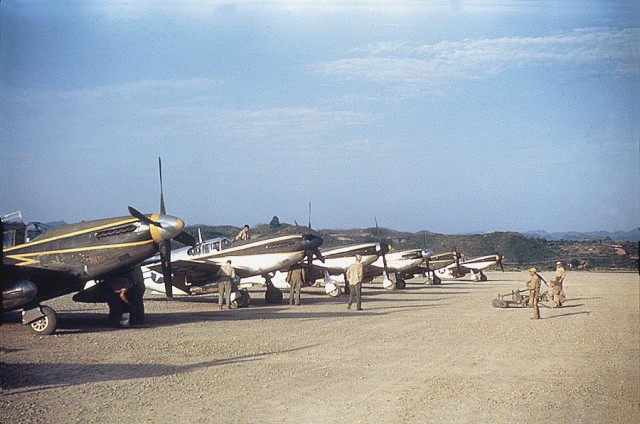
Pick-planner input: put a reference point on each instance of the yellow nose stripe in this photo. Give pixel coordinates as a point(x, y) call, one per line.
point(154, 230)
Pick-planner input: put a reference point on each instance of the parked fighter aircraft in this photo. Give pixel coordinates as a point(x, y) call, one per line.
point(336, 262)
point(339, 259)
point(436, 262)
point(402, 263)
point(194, 269)
point(41, 264)
point(471, 267)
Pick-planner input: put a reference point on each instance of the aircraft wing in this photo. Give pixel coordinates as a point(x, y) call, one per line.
point(196, 273)
point(479, 264)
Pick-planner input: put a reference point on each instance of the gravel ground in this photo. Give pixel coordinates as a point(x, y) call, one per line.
point(424, 354)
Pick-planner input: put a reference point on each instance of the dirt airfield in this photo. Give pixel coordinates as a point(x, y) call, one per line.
point(425, 354)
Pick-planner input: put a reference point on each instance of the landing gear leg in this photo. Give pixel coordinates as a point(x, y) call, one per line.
point(273, 294)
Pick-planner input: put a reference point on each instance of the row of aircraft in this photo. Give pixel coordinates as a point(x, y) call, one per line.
point(92, 257)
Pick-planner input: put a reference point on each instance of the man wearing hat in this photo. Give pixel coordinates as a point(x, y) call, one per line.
point(354, 279)
point(534, 292)
point(560, 273)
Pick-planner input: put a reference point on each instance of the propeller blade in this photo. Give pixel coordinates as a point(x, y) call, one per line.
point(456, 255)
point(500, 257)
point(318, 255)
point(383, 250)
point(186, 239)
point(163, 211)
point(384, 263)
point(137, 214)
point(165, 260)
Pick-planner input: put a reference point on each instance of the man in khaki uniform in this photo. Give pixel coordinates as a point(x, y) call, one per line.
point(534, 292)
point(243, 234)
point(556, 297)
point(295, 277)
point(560, 274)
point(226, 274)
point(354, 279)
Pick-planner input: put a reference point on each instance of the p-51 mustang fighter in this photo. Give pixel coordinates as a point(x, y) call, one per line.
point(194, 269)
point(336, 262)
point(403, 264)
point(470, 267)
point(40, 264)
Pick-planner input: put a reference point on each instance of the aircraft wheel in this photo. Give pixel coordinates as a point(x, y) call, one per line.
point(335, 293)
point(483, 277)
point(240, 299)
point(401, 284)
point(47, 324)
point(495, 303)
point(437, 280)
point(273, 296)
point(503, 304)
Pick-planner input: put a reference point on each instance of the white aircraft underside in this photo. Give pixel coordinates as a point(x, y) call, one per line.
point(398, 262)
point(470, 269)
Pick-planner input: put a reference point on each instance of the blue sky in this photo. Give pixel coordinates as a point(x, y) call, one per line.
point(448, 116)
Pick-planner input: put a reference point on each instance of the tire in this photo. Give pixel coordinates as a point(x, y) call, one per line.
point(495, 303)
point(241, 299)
point(401, 284)
point(335, 293)
point(436, 280)
point(503, 304)
point(47, 324)
point(273, 296)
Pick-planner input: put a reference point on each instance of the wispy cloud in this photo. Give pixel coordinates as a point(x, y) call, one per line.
point(616, 51)
point(155, 110)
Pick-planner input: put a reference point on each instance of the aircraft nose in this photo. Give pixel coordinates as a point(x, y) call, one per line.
point(312, 242)
point(169, 228)
point(426, 253)
point(382, 248)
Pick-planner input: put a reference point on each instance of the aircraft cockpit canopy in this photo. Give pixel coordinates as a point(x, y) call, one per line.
point(15, 231)
point(209, 246)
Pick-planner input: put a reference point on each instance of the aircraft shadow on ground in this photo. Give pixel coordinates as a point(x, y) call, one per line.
point(31, 377)
point(76, 321)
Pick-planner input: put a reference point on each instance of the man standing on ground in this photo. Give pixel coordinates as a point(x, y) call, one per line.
point(555, 297)
point(534, 292)
point(226, 274)
point(560, 274)
point(354, 279)
point(295, 277)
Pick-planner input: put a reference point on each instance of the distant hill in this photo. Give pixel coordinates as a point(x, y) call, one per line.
point(631, 235)
point(521, 251)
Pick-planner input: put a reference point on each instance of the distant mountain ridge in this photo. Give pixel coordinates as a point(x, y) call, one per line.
point(521, 250)
point(631, 235)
